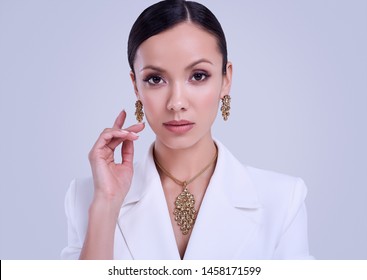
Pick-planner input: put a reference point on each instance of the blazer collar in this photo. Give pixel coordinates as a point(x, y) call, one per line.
point(235, 180)
point(230, 207)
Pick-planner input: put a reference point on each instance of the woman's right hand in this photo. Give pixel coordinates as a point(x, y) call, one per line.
point(112, 179)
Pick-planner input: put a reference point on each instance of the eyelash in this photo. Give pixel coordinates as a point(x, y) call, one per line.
point(203, 74)
point(153, 76)
point(149, 79)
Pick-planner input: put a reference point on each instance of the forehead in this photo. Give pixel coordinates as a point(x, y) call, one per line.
point(182, 44)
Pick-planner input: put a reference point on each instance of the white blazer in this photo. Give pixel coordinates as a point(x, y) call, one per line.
point(246, 213)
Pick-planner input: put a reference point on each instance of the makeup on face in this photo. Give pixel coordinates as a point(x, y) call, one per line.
point(179, 80)
point(179, 126)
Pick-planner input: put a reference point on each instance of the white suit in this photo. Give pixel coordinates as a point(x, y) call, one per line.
point(246, 213)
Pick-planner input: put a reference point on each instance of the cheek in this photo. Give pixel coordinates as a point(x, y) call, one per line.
point(152, 105)
point(207, 98)
point(148, 98)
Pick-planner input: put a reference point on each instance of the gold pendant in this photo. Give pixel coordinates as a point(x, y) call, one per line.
point(185, 213)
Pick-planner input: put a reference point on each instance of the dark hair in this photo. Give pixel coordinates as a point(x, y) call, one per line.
point(165, 15)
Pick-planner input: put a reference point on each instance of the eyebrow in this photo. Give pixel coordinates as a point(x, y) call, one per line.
point(158, 69)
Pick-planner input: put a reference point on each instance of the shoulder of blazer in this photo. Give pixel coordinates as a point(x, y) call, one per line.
point(274, 187)
point(281, 196)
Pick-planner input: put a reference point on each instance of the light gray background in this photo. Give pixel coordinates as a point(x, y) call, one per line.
point(299, 107)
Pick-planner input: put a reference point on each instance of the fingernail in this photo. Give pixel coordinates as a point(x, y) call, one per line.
point(133, 133)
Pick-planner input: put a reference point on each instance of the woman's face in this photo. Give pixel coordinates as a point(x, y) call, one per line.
point(179, 79)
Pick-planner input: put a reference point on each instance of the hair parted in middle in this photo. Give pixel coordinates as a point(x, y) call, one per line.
point(165, 15)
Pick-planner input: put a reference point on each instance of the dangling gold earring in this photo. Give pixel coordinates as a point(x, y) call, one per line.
point(139, 114)
point(226, 106)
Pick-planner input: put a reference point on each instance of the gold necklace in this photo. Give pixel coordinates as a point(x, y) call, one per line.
point(184, 211)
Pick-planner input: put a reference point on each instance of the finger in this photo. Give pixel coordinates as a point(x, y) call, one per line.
point(136, 127)
point(127, 153)
point(107, 139)
point(99, 148)
point(119, 122)
point(117, 141)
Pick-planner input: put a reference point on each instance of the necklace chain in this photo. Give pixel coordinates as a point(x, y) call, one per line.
point(186, 182)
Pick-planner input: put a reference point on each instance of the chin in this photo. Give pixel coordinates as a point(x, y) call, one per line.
point(182, 142)
point(177, 143)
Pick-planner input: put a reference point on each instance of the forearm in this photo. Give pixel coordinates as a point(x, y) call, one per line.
point(99, 240)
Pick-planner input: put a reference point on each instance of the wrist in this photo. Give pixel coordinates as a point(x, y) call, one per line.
point(106, 199)
point(99, 240)
point(104, 208)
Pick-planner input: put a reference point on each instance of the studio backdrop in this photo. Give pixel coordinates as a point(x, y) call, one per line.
point(299, 99)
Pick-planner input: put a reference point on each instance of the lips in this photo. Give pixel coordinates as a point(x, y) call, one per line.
point(179, 127)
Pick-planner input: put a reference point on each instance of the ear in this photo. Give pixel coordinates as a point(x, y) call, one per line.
point(227, 80)
point(133, 80)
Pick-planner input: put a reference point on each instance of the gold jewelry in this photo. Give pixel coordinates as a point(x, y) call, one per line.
point(139, 114)
point(184, 211)
point(226, 106)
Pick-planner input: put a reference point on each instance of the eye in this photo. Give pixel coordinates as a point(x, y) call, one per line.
point(154, 80)
point(199, 76)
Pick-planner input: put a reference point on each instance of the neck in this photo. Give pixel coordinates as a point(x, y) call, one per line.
point(184, 163)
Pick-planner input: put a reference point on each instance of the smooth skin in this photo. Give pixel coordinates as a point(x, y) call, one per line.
point(177, 76)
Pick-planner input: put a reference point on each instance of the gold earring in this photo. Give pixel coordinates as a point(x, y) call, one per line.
point(139, 114)
point(226, 106)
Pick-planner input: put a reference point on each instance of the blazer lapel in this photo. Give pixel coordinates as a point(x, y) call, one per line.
point(229, 215)
point(228, 220)
point(144, 219)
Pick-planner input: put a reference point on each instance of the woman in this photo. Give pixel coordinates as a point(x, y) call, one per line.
point(190, 198)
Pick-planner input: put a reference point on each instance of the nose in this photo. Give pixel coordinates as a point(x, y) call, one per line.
point(178, 98)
